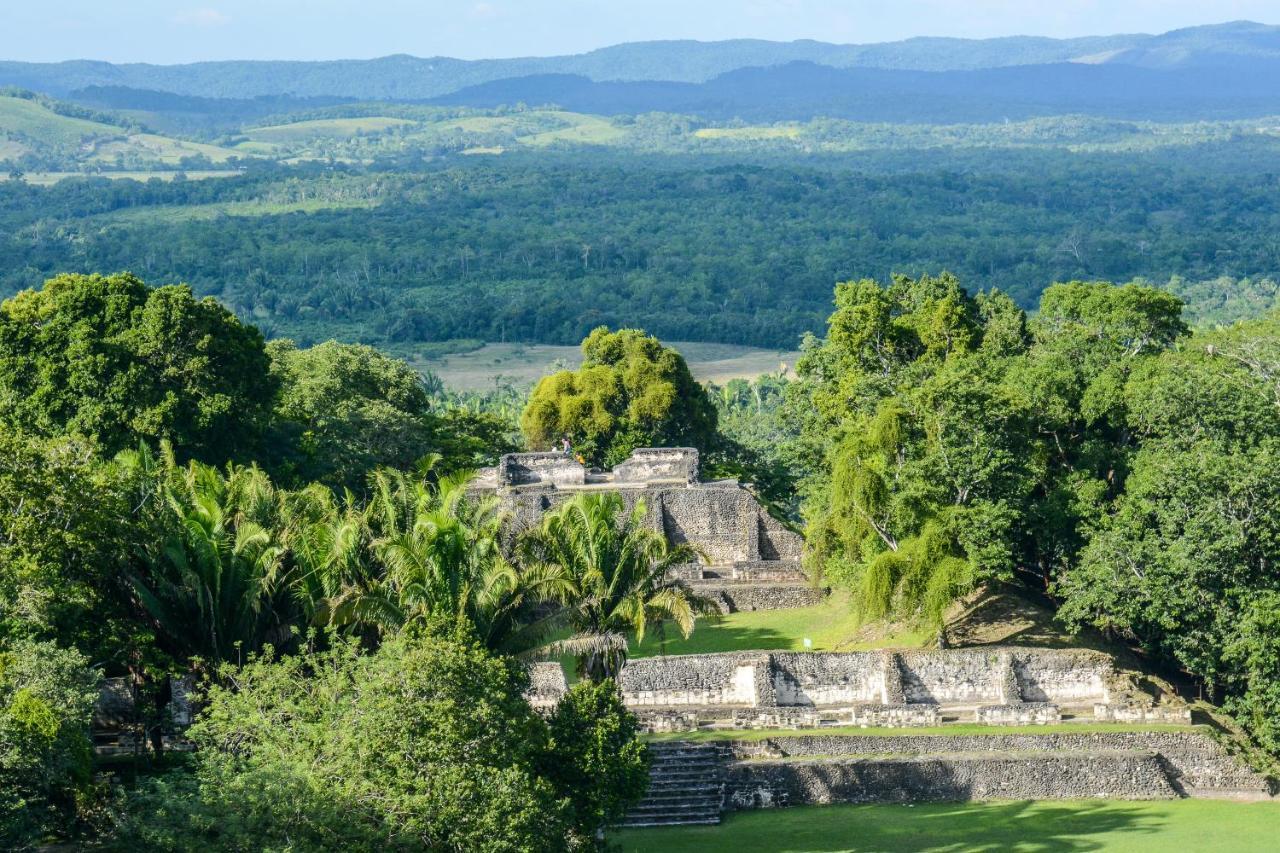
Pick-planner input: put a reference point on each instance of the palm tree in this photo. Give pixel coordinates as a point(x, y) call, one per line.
point(329, 554)
point(620, 575)
point(437, 550)
point(210, 584)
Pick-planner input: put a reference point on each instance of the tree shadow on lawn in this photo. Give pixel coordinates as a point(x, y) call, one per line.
point(708, 638)
point(990, 827)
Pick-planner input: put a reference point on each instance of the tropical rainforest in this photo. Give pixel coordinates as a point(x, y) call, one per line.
point(1040, 350)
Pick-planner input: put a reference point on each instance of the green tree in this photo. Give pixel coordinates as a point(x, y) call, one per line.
point(596, 759)
point(630, 392)
point(68, 523)
point(344, 410)
point(212, 583)
point(618, 570)
point(114, 360)
point(426, 743)
point(46, 773)
point(420, 550)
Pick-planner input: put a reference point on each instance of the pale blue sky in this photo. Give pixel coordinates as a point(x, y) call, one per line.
point(168, 31)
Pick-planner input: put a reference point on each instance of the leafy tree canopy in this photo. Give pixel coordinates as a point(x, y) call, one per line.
point(112, 359)
point(630, 392)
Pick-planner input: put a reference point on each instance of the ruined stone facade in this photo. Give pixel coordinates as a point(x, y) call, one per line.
point(1014, 686)
point(752, 561)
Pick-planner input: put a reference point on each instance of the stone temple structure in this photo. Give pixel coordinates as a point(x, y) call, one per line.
point(752, 560)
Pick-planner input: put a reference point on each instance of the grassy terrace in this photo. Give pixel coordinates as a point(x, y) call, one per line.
point(949, 730)
point(830, 626)
point(1062, 826)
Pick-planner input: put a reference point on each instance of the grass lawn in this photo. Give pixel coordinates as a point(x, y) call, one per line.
point(1057, 826)
point(524, 364)
point(829, 626)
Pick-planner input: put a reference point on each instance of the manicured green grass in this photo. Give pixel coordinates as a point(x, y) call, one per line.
point(829, 626)
point(1060, 826)
point(953, 729)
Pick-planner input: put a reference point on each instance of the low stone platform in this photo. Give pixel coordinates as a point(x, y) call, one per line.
point(1127, 764)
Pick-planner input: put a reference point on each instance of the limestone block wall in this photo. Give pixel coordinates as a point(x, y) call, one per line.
point(547, 685)
point(827, 678)
point(658, 463)
point(515, 469)
point(1063, 675)
point(1193, 760)
point(776, 541)
point(955, 677)
point(742, 597)
point(697, 680)
point(1129, 775)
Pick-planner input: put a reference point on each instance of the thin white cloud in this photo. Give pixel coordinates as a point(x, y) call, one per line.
point(204, 17)
point(484, 10)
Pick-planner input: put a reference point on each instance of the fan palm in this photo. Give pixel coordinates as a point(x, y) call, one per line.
point(210, 584)
point(438, 550)
point(619, 571)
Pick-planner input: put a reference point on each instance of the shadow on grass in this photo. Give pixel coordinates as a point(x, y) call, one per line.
point(1024, 827)
point(711, 637)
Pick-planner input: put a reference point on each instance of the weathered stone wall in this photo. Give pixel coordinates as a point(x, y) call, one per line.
point(547, 684)
point(721, 519)
point(740, 597)
point(955, 677)
point(827, 678)
point(517, 469)
point(1128, 775)
point(658, 463)
point(1192, 756)
point(1019, 714)
point(776, 541)
point(697, 680)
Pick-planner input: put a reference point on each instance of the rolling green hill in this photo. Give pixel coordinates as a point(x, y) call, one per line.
point(32, 128)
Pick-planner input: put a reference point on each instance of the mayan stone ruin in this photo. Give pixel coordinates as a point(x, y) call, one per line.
point(752, 560)
point(753, 563)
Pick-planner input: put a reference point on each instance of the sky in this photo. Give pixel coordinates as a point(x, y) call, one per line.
point(173, 31)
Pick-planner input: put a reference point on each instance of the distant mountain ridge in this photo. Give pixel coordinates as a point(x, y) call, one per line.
point(804, 90)
point(1237, 45)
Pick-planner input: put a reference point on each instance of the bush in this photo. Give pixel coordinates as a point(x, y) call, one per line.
point(46, 704)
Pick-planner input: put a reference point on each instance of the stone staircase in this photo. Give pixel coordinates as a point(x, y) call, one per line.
point(686, 785)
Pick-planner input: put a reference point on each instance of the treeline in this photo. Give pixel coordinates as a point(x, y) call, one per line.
point(291, 533)
point(734, 254)
point(1099, 453)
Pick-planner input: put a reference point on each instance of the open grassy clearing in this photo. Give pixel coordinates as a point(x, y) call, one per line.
point(159, 148)
point(1059, 826)
point(830, 626)
point(307, 131)
point(38, 122)
point(45, 179)
point(524, 364)
point(580, 129)
point(754, 132)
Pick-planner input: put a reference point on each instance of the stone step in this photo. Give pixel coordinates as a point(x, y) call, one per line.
point(708, 821)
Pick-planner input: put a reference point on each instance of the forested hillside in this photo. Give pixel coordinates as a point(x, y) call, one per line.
point(546, 249)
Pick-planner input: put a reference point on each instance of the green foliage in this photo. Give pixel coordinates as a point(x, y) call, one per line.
point(426, 743)
point(68, 522)
point(617, 575)
point(630, 392)
point(114, 360)
point(931, 468)
point(596, 759)
point(345, 410)
point(211, 581)
point(46, 700)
